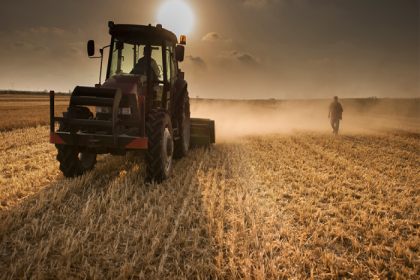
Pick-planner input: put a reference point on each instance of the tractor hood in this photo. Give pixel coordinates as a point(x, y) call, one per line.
point(128, 83)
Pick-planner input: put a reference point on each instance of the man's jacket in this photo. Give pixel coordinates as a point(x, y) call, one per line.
point(336, 110)
point(142, 65)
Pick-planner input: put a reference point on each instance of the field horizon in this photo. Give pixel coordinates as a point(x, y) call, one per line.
point(29, 109)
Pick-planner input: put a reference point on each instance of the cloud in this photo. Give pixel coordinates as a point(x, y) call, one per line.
point(246, 57)
point(325, 61)
point(45, 30)
point(255, 3)
point(40, 49)
point(39, 31)
point(215, 37)
point(242, 57)
point(75, 50)
point(197, 61)
point(22, 45)
point(19, 33)
point(57, 31)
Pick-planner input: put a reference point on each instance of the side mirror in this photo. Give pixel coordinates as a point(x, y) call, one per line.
point(91, 48)
point(180, 53)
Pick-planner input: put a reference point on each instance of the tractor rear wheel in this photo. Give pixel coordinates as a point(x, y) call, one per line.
point(160, 146)
point(73, 162)
point(182, 115)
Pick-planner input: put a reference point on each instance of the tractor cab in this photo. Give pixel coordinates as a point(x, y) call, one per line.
point(149, 53)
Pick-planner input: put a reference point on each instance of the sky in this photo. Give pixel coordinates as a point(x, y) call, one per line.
point(236, 49)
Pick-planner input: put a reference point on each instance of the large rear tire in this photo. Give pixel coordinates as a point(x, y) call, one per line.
point(73, 162)
point(182, 115)
point(160, 146)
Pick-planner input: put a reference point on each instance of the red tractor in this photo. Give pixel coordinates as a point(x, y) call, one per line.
point(143, 104)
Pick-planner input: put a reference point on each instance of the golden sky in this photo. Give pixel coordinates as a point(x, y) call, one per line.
point(240, 49)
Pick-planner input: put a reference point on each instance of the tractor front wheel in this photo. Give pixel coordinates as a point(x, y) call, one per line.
point(160, 146)
point(73, 162)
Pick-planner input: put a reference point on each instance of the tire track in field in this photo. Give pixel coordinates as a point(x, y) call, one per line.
point(395, 167)
point(378, 193)
point(213, 197)
point(27, 164)
point(246, 222)
point(330, 209)
point(373, 145)
point(383, 186)
point(281, 168)
point(168, 242)
point(108, 223)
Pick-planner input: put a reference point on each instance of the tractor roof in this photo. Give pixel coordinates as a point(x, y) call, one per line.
point(141, 31)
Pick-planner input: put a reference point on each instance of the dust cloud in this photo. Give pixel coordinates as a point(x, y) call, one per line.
point(235, 118)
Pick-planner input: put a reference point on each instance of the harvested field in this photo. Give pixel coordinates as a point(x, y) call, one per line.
point(297, 204)
point(23, 110)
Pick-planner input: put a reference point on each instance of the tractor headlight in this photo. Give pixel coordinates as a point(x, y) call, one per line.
point(108, 110)
point(104, 110)
point(125, 110)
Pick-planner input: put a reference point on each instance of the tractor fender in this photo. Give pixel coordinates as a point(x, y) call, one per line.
point(180, 85)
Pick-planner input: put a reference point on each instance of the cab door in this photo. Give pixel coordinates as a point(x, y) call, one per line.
point(170, 71)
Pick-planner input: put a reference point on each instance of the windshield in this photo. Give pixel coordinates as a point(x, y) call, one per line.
point(128, 57)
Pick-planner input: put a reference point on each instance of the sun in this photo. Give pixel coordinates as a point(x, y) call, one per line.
point(176, 16)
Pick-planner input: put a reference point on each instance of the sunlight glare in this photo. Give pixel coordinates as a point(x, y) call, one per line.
point(176, 16)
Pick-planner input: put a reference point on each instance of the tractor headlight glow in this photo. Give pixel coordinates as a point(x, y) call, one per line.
point(125, 110)
point(108, 110)
point(104, 110)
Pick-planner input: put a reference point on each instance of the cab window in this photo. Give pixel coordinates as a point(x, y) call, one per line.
point(170, 59)
point(128, 57)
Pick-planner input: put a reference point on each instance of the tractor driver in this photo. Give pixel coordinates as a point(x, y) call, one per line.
point(141, 65)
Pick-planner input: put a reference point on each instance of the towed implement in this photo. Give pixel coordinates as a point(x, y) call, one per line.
point(142, 105)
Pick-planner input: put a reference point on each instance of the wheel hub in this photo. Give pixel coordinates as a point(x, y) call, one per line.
point(169, 146)
point(168, 149)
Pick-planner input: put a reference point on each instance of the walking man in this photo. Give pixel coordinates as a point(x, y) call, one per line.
point(335, 114)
